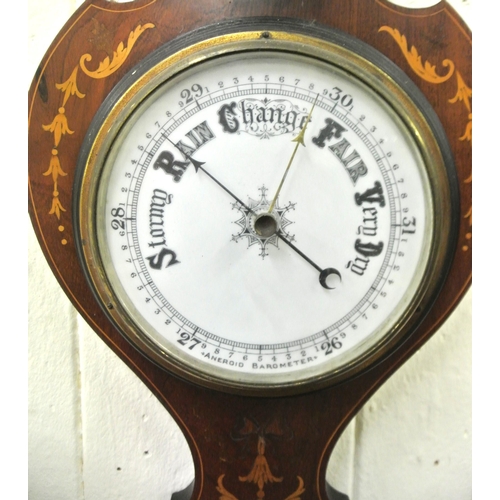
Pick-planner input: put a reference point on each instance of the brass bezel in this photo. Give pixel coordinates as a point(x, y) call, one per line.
point(334, 54)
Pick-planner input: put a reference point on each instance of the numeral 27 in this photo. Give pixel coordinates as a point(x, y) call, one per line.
point(185, 338)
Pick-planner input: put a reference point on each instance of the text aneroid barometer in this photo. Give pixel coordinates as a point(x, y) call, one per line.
point(264, 210)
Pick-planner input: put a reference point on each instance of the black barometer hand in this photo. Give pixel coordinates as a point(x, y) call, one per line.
point(323, 273)
point(267, 221)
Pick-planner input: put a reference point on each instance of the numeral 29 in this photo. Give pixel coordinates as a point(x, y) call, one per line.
point(189, 95)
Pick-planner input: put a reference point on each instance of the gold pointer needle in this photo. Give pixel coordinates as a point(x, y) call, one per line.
point(298, 140)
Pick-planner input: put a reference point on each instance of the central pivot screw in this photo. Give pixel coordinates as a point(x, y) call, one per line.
point(266, 225)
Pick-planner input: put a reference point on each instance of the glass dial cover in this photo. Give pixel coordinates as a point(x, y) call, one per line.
point(219, 274)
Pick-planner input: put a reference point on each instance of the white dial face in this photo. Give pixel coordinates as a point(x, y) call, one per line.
point(329, 268)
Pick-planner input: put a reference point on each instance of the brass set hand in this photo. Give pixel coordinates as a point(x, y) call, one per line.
point(298, 140)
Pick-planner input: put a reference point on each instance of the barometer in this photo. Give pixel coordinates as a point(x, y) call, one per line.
point(265, 210)
point(265, 216)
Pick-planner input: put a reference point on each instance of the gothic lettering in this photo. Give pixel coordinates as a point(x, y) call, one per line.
point(369, 227)
point(332, 129)
point(185, 149)
point(371, 195)
point(170, 166)
point(159, 201)
point(358, 266)
point(262, 118)
point(200, 134)
point(350, 158)
point(227, 118)
point(368, 249)
point(156, 261)
point(342, 149)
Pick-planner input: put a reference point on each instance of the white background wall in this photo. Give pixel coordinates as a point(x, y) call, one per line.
point(96, 433)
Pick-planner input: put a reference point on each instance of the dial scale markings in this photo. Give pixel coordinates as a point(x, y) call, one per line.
point(292, 350)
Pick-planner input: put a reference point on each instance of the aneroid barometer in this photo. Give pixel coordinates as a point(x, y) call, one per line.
point(265, 210)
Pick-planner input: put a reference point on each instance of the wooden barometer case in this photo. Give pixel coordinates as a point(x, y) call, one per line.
point(262, 207)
